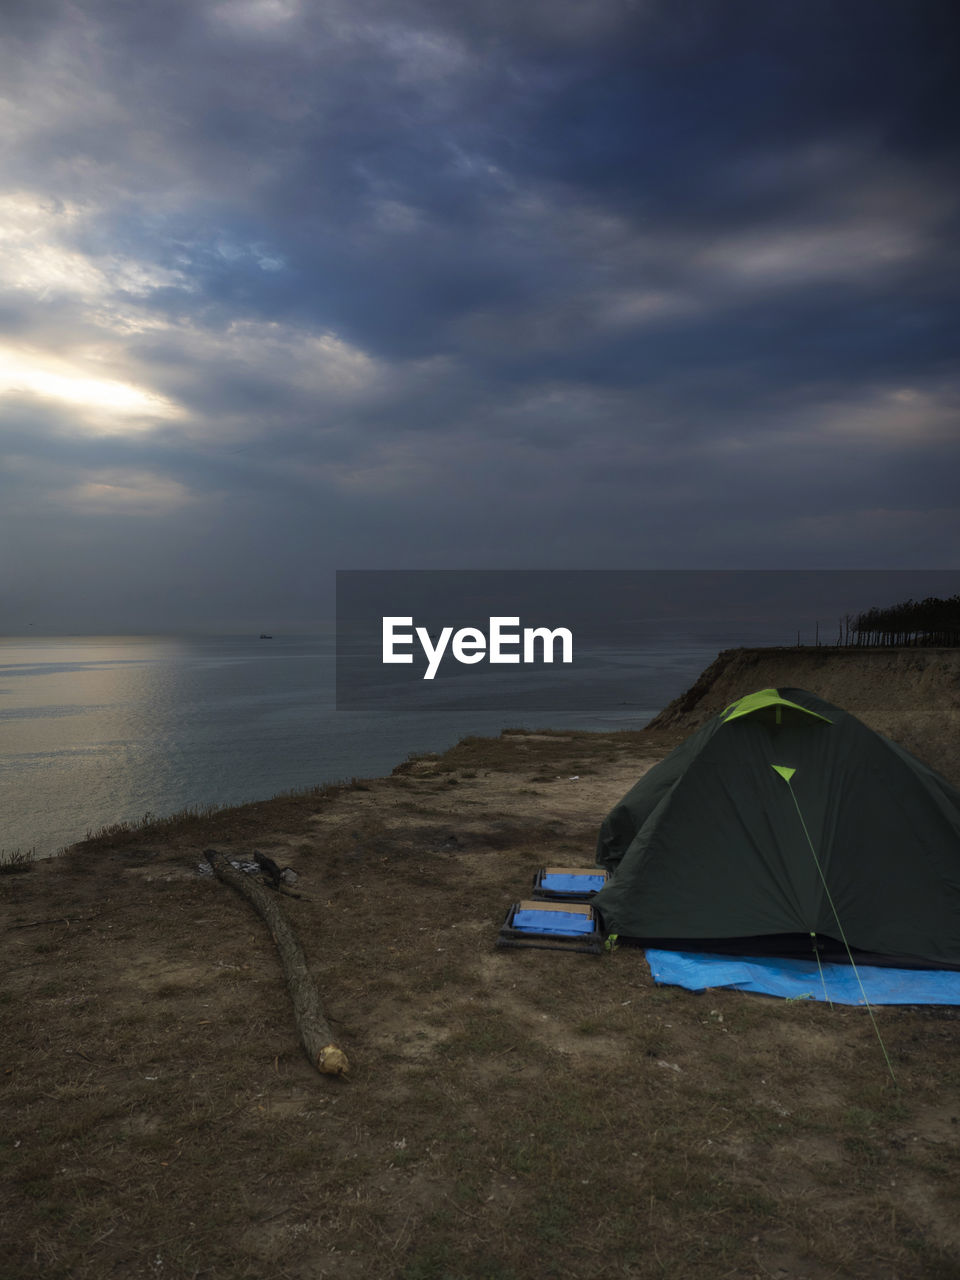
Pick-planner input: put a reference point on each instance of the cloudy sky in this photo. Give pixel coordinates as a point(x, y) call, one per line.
point(288, 286)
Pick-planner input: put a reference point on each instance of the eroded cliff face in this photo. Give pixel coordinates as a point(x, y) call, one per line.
point(911, 695)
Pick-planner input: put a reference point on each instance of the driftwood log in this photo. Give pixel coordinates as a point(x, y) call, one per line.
point(315, 1033)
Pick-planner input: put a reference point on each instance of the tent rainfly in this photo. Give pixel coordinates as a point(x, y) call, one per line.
point(783, 826)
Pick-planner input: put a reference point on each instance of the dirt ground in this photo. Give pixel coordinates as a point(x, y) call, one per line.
point(510, 1115)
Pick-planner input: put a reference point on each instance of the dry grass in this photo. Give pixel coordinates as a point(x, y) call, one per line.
point(513, 1114)
point(16, 861)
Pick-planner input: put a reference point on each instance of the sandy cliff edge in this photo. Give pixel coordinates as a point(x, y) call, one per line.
point(911, 695)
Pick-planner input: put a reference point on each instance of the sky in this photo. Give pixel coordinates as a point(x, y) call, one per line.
point(291, 286)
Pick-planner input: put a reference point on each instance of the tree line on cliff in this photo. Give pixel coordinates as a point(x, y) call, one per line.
point(912, 622)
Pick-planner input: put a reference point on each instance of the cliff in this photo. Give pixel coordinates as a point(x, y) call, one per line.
point(911, 695)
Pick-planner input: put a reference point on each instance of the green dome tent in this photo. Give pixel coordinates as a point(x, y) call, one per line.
point(781, 818)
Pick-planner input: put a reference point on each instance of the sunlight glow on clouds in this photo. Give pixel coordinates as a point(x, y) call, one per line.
point(126, 492)
point(33, 258)
point(43, 376)
point(292, 356)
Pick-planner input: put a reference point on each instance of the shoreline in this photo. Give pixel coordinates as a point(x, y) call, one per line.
point(910, 694)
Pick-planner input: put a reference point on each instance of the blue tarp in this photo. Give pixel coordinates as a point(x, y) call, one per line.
point(589, 882)
point(800, 979)
point(547, 921)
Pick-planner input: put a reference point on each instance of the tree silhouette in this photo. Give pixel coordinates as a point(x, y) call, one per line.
point(912, 622)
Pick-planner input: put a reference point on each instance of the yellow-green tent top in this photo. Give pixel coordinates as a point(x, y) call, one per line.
point(765, 698)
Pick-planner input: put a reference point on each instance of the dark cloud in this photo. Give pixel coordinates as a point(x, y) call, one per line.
point(287, 287)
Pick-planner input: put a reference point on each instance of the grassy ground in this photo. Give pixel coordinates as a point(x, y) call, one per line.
point(511, 1115)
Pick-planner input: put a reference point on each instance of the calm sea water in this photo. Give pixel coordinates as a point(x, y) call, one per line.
point(97, 730)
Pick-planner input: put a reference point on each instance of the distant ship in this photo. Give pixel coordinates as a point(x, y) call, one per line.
point(264, 636)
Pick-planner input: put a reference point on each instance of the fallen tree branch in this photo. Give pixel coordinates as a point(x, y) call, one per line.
point(315, 1033)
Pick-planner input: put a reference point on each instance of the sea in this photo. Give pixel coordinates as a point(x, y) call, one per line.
point(97, 730)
